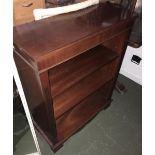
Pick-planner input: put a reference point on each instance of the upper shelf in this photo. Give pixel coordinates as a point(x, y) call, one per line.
point(78, 68)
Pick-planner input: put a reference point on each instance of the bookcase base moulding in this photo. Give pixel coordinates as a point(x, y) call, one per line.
point(68, 66)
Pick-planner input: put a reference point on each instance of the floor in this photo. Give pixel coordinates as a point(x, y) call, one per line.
point(114, 131)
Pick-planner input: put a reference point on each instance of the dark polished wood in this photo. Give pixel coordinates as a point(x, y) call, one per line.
point(78, 68)
point(82, 113)
point(68, 38)
point(83, 88)
point(37, 96)
point(68, 66)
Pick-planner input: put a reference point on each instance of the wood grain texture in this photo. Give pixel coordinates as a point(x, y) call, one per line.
point(67, 74)
point(74, 119)
point(82, 33)
point(82, 89)
point(66, 64)
point(119, 45)
point(44, 81)
point(36, 99)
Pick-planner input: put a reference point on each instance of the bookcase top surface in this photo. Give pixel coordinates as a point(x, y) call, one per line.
point(41, 37)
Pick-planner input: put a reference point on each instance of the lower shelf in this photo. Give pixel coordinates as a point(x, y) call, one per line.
point(77, 117)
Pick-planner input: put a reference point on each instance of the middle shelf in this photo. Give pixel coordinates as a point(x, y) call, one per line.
point(74, 80)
